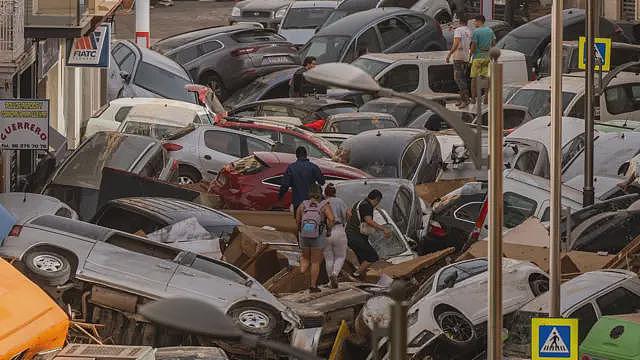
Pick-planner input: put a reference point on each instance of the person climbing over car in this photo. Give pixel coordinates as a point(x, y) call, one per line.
point(360, 225)
point(314, 219)
point(299, 176)
point(335, 251)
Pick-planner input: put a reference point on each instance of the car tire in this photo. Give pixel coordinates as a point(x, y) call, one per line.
point(188, 175)
point(47, 267)
point(215, 83)
point(457, 328)
point(539, 285)
point(255, 318)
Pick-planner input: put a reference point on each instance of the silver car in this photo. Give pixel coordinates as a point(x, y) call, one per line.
point(25, 206)
point(269, 13)
point(202, 151)
point(56, 250)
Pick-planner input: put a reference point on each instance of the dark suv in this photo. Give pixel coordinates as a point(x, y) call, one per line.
point(228, 57)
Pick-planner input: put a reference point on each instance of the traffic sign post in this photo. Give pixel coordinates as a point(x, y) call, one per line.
point(554, 339)
point(602, 53)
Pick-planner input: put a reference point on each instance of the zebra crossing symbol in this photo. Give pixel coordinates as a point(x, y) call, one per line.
point(554, 339)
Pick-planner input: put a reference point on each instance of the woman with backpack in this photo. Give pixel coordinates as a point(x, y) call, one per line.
point(335, 252)
point(313, 217)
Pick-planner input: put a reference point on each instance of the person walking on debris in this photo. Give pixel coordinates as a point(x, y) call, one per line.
point(314, 217)
point(482, 40)
point(299, 176)
point(360, 225)
point(299, 87)
point(335, 251)
point(460, 53)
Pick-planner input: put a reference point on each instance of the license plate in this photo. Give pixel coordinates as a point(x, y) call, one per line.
point(273, 60)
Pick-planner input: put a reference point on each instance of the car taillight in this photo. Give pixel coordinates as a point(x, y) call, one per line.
point(15, 230)
point(315, 125)
point(172, 147)
point(435, 229)
point(245, 51)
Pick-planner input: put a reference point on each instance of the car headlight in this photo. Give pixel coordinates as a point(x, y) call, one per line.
point(235, 11)
point(421, 339)
point(280, 12)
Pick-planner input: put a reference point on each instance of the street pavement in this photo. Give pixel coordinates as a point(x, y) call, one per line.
point(183, 16)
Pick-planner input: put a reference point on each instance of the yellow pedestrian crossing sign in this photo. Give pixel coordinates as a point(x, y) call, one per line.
point(554, 339)
point(602, 53)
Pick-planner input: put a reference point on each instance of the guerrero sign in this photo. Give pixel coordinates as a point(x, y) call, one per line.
point(24, 124)
point(91, 50)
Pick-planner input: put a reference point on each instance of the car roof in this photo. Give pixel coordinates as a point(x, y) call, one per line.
point(136, 101)
point(538, 130)
point(274, 158)
point(203, 128)
point(436, 56)
point(574, 82)
point(314, 4)
point(26, 205)
point(360, 115)
point(357, 4)
point(351, 191)
point(580, 288)
point(164, 115)
point(352, 24)
point(392, 140)
point(175, 41)
point(175, 210)
point(308, 103)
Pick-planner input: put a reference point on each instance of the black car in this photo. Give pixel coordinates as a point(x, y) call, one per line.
point(150, 214)
point(454, 216)
point(312, 111)
point(532, 38)
point(387, 30)
point(410, 154)
point(621, 53)
point(228, 57)
point(400, 201)
point(348, 7)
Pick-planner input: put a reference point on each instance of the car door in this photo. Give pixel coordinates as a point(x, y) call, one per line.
point(367, 42)
point(401, 211)
point(621, 102)
point(411, 160)
point(253, 144)
point(123, 60)
point(396, 36)
point(133, 263)
point(431, 163)
point(218, 148)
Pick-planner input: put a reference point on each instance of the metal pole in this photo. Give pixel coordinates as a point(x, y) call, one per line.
point(556, 156)
point(495, 207)
point(486, 9)
point(142, 23)
point(399, 326)
point(587, 191)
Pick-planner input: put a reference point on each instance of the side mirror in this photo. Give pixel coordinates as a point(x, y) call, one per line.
point(125, 76)
point(450, 279)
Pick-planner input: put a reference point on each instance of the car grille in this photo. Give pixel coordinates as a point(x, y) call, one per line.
point(256, 14)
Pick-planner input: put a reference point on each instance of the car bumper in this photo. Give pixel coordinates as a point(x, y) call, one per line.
point(268, 23)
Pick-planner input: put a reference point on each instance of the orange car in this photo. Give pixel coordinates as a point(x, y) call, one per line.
point(31, 323)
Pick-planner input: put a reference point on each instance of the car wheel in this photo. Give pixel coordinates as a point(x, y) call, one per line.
point(215, 83)
point(48, 267)
point(188, 176)
point(539, 285)
point(255, 318)
point(456, 327)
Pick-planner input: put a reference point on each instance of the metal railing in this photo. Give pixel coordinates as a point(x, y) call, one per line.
point(11, 29)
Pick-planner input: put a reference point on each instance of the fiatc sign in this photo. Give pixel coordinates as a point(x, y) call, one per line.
point(91, 50)
point(24, 124)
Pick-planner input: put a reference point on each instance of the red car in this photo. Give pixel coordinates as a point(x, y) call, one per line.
point(286, 137)
point(252, 183)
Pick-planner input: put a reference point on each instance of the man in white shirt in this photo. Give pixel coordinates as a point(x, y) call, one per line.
point(460, 53)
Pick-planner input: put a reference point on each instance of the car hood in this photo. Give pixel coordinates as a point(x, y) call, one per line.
point(262, 4)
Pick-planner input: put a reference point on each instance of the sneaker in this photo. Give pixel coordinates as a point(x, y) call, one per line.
point(314, 290)
point(333, 282)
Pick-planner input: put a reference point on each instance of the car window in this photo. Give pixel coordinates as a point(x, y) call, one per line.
point(517, 209)
point(290, 143)
point(464, 271)
point(64, 212)
point(402, 209)
point(538, 101)
point(441, 79)
point(163, 83)
point(276, 180)
point(368, 43)
point(415, 22)
point(137, 128)
point(257, 35)
point(209, 46)
point(326, 48)
point(274, 110)
point(254, 145)
point(411, 159)
point(186, 55)
point(267, 134)
point(623, 98)
point(122, 113)
point(572, 149)
point(125, 58)
point(578, 108)
point(619, 301)
point(513, 118)
point(142, 247)
point(250, 110)
point(305, 18)
point(527, 161)
point(128, 63)
point(224, 142)
point(119, 52)
point(468, 212)
point(115, 217)
point(392, 31)
point(587, 317)
point(402, 78)
point(154, 166)
point(216, 269)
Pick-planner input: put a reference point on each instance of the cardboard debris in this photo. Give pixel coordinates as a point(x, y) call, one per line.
point(279, 220)
point(627, 258)
point(529, 241)
point(410, 268)
point(433, 191)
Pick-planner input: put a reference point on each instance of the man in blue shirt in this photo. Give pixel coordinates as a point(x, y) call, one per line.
point(299, 176)
point(482, 40)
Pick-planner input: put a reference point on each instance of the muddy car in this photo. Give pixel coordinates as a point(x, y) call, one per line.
point(357, 122)
point(120, 270)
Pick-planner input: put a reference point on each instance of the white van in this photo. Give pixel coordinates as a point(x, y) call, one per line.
point(428, 71)
point(621, 98)
point(158, 121)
